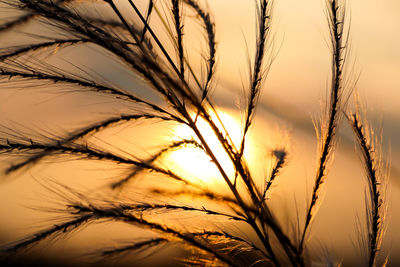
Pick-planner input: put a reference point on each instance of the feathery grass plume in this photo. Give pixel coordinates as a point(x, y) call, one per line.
point(141, 60)
point(168, 207)
point(204, 114)
point(96, 213)
point(374, 171)
point(210, 31)
point(57, 228)
point(280, 155)
point(78, 24)
point(31, 74)
point(230, 237)
point(257, 75)
point(82, 151)
point(143, 245)
point(336, 19)
point(17, 51)
point(81, 134)
point(258, 72)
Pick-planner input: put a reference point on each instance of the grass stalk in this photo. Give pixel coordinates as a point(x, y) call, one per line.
point(336, 20)
point(374, 208)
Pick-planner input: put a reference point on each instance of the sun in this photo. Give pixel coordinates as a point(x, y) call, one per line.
point(193, 162)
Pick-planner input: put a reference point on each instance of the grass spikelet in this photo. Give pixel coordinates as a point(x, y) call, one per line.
point(81, 134)
point(336, 16)
point(119, 215)
point(373, 169)
point(257, 73)
point(212, 47)
point(33, 47)
point(56, 229)
point(280, 155)
point(135, 248)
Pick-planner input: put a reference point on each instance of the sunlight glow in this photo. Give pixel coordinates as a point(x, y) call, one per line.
point(194, 163)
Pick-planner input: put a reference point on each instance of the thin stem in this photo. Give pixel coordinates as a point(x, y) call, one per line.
point(176, 12)
point(336, 20)
point(133, 247)
point(152, 207)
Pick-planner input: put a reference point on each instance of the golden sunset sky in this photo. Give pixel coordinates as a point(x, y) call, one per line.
point(296, 88)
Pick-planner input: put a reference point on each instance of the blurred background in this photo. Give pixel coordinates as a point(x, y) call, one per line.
point(293, 96)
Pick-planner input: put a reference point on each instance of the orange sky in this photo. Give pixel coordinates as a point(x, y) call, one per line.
point(295, 87)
